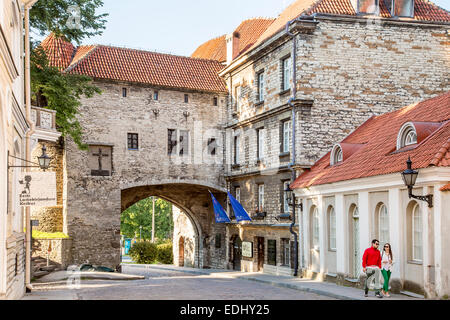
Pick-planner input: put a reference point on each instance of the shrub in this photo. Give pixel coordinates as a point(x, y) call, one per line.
point(165, 253)
point(144, 252)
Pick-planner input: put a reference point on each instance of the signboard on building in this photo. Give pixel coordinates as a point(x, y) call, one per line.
point(247, 249)
point(36, 189)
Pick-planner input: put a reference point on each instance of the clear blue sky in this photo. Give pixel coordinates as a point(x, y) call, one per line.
point(180, 26)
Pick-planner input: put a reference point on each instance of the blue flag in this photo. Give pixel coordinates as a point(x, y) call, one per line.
point(239, 211)
point(219, 212)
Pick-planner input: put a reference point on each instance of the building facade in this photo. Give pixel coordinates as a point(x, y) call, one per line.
point(351, 62)
point(355, 193)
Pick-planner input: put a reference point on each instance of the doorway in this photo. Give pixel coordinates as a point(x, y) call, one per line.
point(237, 253)
point(181, 252)
point(260, 243)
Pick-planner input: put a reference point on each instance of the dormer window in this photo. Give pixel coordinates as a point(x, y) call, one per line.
point(367, 6)
point(406, 136)
point(402, 8)
point(336, 155)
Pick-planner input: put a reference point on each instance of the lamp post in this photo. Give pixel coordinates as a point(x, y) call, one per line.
point(290, 197)
point(43, 161)
point(409, 177)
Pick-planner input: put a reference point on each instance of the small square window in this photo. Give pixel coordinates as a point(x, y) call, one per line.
point(156, 95)
point(186, 98)
point(133, 141)
point(124, 92)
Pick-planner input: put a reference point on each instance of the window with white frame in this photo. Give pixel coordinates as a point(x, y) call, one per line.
point(417, 233)
point(315, 228)
point(287, 136)
point(286, 208)
point(286, 75)
point(261, 87)
point(261, 136)
point(286, 252)
point(337, 155)
point(260, 197)
point(332, 228)
point(177, 140)
point(383, 224)
point(406, 136)
point(238, 194)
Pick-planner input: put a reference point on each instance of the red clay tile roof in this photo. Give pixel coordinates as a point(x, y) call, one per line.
point(59, 51)
point(445, 188)
point(249, 30)
point(165, 70)
point(423, 10)
point(379, 155)
point(214, 49)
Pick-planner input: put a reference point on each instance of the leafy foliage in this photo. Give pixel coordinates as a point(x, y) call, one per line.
point(140, 214)
point(165, 253)
point(51, 87)
point(54, 15)
point(144, 252)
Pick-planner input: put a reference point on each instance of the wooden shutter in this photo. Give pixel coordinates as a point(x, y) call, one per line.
point(272, 252)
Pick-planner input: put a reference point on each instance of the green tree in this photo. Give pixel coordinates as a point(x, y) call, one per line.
point(51, 87)
point(140, 214)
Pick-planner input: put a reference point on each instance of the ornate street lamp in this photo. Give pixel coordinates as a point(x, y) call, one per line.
point(409, 177)
point(43, 161)
point(290, 198)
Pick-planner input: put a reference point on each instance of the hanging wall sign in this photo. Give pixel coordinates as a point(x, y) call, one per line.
point(36, 189)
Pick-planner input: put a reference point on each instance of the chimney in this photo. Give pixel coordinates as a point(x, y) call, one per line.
point(232, 41)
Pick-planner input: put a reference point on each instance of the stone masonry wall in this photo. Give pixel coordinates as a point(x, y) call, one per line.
point(93, 204)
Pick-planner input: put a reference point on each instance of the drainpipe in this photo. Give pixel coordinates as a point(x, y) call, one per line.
point(294, 94)
point(29, 133)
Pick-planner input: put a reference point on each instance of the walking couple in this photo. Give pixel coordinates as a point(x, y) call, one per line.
point(375, 263)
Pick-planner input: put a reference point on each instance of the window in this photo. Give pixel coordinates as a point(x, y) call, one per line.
point(403, 8)
point(286, 208)
point(383, 224)
point(218, 241)
point(133, 141)
point(186, 98)
point(332, 228)
point(212, 146)
point(261, 136)
point(261, 91)
point(237, 94)
point(406, 136)
point(287, 136)
point(215, 101)
point(236, 149)
point(285, 252)
point(272, 252)
point(417, 233)
point(155, 95)
point(315, 228)
point(261, 198)
point(286, 75)
point(368, 6)
point(172, 142)
point(184, 142)
point(238, 194)
point(124, 92)
point(336, 155)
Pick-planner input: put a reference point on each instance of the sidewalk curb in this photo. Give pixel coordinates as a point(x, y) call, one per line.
point(272, 283)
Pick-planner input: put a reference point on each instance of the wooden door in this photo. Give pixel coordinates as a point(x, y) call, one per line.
point(260, 244)
point(181, 252)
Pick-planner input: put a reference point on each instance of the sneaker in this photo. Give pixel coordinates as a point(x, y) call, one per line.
point(378, 295)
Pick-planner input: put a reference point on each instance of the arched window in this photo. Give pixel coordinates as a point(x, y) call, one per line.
point(417, 233)
point(336, 155)
point(406, 136)
point(383, 224)
point(332, 228)
point(315, 228)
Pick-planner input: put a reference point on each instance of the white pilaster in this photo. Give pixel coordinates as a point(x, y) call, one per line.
point(341, 230)
point(396, 231)
point(364, 220)
point(322, 233)
point(437, 215)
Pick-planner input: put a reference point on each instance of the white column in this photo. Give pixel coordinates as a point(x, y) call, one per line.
point(306, 234)
point(364, 220)
point(438, 210)
point(341, 231)
point(396, 231)
point(322, 233)
point(427, 240)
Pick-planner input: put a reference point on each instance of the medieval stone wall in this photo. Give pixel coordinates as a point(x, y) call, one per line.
point(94, 203)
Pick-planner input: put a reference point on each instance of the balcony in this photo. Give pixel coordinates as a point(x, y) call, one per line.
point(45, 122)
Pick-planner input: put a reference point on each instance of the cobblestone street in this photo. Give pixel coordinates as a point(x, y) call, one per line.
point(168, 285)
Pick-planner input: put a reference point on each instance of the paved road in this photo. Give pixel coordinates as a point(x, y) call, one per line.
point(169, 285)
